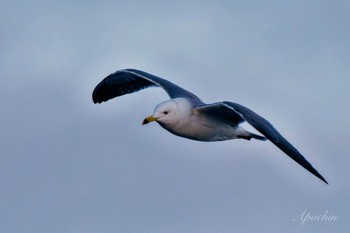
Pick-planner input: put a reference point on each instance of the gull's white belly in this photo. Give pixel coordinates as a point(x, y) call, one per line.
point(203, 130)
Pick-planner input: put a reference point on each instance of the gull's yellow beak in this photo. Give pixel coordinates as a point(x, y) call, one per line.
point(148, 120)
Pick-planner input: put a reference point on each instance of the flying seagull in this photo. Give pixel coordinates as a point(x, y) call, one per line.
point(185, 115)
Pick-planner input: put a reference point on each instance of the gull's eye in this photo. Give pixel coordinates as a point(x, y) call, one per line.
point(165, 112)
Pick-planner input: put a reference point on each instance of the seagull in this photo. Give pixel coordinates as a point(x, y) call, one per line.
point(187, 116)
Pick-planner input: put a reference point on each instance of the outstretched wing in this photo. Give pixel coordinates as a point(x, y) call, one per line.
point(130, 80)
point(265, 127)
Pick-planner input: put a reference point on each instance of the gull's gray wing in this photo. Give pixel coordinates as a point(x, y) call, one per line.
point(265, 127)
point(221, 112)
point(130, 80)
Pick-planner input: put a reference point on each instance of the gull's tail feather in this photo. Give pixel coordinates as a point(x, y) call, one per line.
point(252, 135)
point(258, 137)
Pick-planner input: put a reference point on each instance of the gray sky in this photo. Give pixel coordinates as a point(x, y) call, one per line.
point(67, 165)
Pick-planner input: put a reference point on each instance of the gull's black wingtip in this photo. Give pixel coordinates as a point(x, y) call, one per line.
point(323, 179)
point(95, 101)
point(95, 97)
point(318, 175)
point(304, 163)
point(104, 90)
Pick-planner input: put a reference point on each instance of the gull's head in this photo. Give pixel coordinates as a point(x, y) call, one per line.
point(165, 113)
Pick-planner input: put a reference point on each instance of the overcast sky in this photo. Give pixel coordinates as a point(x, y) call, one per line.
point(67, 165)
